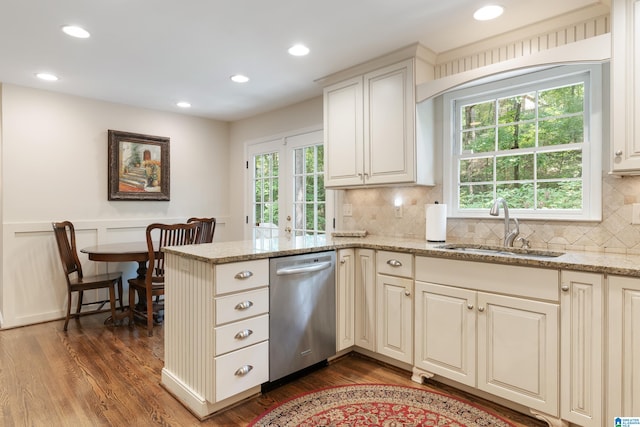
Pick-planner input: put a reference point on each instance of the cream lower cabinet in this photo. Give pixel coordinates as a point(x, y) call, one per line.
point(623, 348)
point(365, 299)
point(216, 332)
point(490, 326)
point(581, 348)
point(394, 302)
point(345, 294)
point(356, 299)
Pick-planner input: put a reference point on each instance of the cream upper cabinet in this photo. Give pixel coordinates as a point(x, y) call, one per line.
point(581, 363)
point(371, 132)
point(625, 87)
point(623, 347)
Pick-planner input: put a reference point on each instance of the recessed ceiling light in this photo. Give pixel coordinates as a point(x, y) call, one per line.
point(183, 104)
point(486, 13)
point(75, 31)
point(239, 78)
point(299, 50)
point(47, 76)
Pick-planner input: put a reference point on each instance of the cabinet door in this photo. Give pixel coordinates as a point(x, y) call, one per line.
point(518, 350)
point(624, 347)
point(625, 90)
point(445, 322)
point(345, 278)
point(581, 348)
point(395, 315)
point(389, 124)
point(343, 134)
point(365, 299)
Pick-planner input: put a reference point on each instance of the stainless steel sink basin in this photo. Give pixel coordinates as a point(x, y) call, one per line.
point(500, 250)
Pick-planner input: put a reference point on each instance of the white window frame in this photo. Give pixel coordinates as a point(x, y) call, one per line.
point(591, 148)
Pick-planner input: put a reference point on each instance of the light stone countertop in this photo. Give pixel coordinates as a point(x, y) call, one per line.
point(246, 250)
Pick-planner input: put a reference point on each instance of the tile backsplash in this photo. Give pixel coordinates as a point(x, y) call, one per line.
point(373, 210)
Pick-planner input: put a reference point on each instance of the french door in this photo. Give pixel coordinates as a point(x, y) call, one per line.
point(286, 188)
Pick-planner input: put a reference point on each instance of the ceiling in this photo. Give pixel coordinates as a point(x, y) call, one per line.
point(154, 53)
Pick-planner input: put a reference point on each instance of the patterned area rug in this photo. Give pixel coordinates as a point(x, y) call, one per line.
point(377, 405)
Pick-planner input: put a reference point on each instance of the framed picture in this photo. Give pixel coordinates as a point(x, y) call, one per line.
point(138, 166)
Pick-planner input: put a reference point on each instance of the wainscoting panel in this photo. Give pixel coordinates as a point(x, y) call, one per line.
point(33, 287)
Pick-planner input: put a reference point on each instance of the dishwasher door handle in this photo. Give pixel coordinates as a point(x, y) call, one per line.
point(306, 269)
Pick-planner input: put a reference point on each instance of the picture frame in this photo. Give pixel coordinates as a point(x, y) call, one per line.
point(139, 167)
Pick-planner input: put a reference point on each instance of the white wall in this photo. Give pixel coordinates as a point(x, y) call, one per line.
point(54, 167)
point(305, 115)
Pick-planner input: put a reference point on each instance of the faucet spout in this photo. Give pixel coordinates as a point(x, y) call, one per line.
point(509, 235)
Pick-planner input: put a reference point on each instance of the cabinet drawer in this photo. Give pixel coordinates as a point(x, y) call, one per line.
point(239, 371)
point(241, 334)
point(394, 263)
point(240, 276)
point(243, 305)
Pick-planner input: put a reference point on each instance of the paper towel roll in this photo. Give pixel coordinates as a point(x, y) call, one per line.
point(436, 222)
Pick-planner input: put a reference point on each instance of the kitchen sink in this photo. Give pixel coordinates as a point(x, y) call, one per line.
point(499, 250)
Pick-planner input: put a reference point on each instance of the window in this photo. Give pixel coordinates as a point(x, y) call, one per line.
point(534, 140)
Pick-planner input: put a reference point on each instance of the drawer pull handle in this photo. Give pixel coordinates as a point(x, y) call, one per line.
point(241, 372)
point(394, 263)
point(243, 275)
point(244, 305)
point(243, 334)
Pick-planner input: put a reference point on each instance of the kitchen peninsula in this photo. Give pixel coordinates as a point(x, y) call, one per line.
point(555, 309)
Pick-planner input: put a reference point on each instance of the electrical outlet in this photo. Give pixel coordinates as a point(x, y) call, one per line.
point(347, 209)
point(635, 214)
point(398, 211)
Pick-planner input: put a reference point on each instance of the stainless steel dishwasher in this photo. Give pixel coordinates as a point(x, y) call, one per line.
point(302, 312)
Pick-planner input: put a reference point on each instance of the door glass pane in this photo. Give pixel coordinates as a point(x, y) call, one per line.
point(308, 191)
point(265, 185)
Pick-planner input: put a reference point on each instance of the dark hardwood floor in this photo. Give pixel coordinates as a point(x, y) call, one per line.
point(96, 375)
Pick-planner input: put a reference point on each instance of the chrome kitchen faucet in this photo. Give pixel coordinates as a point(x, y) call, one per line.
point(509, 235)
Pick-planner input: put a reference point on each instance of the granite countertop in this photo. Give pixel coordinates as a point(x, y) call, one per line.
point(246, 250)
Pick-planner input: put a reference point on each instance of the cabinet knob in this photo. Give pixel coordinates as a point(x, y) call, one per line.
point(342, 261)
point(244, 370)
point(243, 275)
point(470, 306)
point(480, 309)
point(243, 305)
point(565, 288)
point(618, 153)
point(394, 263)
point(243, 334)
point(407, 292)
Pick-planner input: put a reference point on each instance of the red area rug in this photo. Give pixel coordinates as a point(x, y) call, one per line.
point(377, 405)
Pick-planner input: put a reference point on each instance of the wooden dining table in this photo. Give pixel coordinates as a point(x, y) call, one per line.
point(121, 252)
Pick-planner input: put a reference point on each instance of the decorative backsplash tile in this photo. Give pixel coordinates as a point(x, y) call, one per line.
point(372, 210)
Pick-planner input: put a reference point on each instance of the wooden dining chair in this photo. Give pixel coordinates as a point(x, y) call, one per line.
point(65, 235)
point(158, 236)
point(206, 230)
